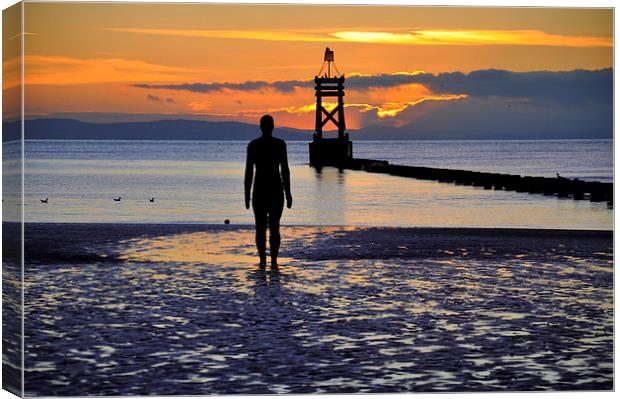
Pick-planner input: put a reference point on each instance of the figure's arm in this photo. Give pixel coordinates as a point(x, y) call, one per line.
point(286, 179)
point(249, 175)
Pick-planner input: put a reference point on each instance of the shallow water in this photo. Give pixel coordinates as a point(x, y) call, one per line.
point(191, 313)
point(202, 182)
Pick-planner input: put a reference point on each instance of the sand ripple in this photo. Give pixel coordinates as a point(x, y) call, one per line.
point(191, 313)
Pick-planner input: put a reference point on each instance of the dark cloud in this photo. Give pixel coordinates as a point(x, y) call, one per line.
point(503, 105)
point(571, 87)
point(284, 86)
point(579, 87)
point(500, 104)
point(157, 99)
point(493, 119)
point(290, 85)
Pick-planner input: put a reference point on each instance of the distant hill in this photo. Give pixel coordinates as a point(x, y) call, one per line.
point(71, 129)
point(183, 129)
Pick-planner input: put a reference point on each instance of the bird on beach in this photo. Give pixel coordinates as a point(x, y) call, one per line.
point(152, 199)
point(44, 200)
point(117, 199)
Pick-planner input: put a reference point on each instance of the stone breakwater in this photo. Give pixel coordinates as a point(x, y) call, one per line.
point(561, 187)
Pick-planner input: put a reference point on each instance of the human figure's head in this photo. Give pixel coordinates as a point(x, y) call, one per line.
point(266, 125)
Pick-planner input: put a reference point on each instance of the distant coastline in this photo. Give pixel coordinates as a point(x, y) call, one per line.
point(185, 129)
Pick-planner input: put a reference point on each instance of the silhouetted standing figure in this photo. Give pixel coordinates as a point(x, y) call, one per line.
point(272, 183)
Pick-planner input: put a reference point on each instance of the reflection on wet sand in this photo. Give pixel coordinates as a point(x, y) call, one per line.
point(193, 313)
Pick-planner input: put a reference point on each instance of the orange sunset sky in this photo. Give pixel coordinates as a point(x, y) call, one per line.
point(237, 62)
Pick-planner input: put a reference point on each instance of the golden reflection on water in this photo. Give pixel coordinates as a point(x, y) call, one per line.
point(228, 247)
point(201, 247)
point(228, 254)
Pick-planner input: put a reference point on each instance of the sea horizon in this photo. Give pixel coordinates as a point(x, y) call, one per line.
point(309, 140)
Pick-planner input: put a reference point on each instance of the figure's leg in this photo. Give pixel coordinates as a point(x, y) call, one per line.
point(260, 216)
point(274, 233)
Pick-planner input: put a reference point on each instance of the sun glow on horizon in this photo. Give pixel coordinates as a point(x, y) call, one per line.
point(385, 110)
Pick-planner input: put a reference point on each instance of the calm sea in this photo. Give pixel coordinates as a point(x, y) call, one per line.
point(202, 182)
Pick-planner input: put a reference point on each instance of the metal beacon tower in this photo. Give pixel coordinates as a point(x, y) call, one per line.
point(329, 151)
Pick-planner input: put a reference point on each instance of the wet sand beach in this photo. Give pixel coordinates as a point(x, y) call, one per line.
point(184, 309)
